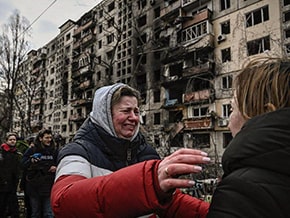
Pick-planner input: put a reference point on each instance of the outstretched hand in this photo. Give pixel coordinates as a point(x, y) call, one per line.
point(183, 161)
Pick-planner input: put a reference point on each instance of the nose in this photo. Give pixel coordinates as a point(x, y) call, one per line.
point(134, 116)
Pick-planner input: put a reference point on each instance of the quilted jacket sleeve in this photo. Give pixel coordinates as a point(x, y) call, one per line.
point(130, 192)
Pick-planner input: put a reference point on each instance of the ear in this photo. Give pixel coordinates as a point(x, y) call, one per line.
point(269, 107)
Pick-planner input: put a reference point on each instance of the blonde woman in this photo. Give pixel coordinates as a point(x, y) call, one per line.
point(256, 163)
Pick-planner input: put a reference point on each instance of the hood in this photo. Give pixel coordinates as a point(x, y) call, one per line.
point(263, 142)
point(101, 113)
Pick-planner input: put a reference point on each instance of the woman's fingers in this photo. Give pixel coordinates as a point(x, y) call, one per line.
point(181, 162)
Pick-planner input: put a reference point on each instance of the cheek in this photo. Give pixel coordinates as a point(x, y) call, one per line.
point(236, 122)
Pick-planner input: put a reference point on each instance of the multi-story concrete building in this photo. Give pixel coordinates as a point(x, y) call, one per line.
point(182, 55)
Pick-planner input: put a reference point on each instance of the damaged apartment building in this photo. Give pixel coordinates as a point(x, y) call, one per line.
point(182, 55)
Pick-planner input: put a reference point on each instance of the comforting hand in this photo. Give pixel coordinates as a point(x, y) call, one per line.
point(183, 161)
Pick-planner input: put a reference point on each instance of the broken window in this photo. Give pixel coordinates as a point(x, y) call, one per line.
point(287, 33)
point(286, 2)
point(226, 54)
point(156, 118)
point(227, 137)
point(225, 27)
point(201, 140)
point(156, 96)
point(257, 16)
point(142, 21)
point(258, 46)
point(195, 31)
point(286, 16)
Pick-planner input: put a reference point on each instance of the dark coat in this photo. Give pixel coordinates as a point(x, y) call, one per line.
point(9, 168)
point(256, 170)
point(91, 142)
point(38, 177)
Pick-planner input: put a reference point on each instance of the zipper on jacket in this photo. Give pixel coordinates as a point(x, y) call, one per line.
point(129, 156)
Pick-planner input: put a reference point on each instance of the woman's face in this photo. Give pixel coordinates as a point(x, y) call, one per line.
point(236, 120)
point(126, 117)
point(11, 140)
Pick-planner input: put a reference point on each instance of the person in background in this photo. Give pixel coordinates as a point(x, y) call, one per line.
point(109, 170)
point(22, 185)
point(256, 162)
point(39, 162)
point(9, 176)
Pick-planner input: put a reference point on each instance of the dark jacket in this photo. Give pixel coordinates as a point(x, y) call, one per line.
point(91, 142)
point(38, 177)
point(102, 175)
point(9, 168)
point(256, 170)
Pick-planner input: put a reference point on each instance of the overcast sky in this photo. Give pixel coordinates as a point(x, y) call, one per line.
point(55, 13)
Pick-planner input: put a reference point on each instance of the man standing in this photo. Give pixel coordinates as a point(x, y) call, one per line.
point(40, 165)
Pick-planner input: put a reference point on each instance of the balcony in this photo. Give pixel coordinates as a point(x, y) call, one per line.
point(198, 69)
point(198, 123)
point(170, 10)
point(197, 96)
point(80, 102)
point(77, 117)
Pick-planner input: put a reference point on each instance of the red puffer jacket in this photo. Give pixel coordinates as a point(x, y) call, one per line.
point(129, 192)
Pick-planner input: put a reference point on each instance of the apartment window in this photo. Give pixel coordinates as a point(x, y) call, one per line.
point(227, 137)
point(67, 37)
point(157, 12)
point(99, 75)
point(287, 47)
point(100, 28)
point(64, 115)
point(157, 140)
point(157, 96)
point(226, 54)
point(110, 38)
point(286, 2)
point(157, 75)
point(111, 6)
point(194, 31)
point(201, 140)
point(225, 27)
point(287, 33)
point(258, 46)
point(101, 13)
point(227, 109)
point(111, 22)
point(141, 4)
point(257, 16)
point(156, 118)
point(200, 112)
point(286, 16)
point(225, 4)
point(227, 82)
point(142, 21)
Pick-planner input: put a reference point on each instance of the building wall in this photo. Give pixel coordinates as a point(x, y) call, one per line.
point(191, 62)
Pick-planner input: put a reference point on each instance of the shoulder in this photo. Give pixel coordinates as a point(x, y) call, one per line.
point(78, 147)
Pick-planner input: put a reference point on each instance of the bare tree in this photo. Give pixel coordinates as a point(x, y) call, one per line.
point(13, 49)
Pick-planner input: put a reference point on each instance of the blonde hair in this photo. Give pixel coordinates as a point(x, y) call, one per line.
point(263, 85)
